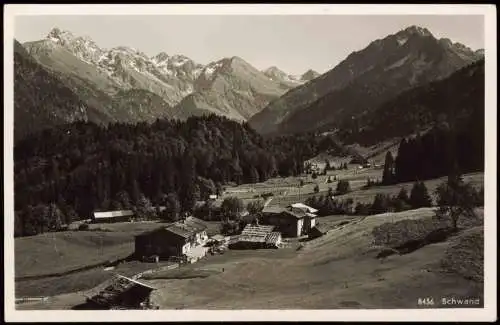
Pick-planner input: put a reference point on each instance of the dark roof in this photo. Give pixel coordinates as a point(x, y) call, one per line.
point(107, 292)
point(292, 214)
point(188, 227)
point(273, 209)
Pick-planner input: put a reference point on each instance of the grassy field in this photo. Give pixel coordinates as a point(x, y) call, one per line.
point(335, 271)
point(358, 194)
point(338, 270)
point(79, 281)
point(46, 254)
point(65, 251)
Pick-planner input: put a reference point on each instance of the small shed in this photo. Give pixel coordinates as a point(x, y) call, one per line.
point(120, 291)
point(113, 216)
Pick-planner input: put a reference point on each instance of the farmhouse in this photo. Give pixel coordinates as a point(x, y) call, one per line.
point(255, 237)
point(294, 221)
point(113, 216)
point(184, 239)
point(120, 291)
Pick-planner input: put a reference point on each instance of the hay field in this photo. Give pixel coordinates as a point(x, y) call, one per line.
point(64, 251)
point(358, 194)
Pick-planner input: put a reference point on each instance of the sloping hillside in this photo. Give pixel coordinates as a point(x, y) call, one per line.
point(336, 271)
point(457, 98)
point(41, 100)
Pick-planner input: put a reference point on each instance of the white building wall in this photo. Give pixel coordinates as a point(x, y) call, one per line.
point(300, 225)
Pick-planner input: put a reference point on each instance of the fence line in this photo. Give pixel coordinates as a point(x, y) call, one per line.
point(30, 299)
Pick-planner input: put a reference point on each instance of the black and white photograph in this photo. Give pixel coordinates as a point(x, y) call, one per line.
point(330, 161)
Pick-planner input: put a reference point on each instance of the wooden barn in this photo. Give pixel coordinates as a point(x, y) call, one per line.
point(119, 292)
point(184, 238)
point(256, 237)
point(113, 216)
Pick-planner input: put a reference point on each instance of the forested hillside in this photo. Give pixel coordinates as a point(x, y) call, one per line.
point(82, 167)
point(455, 99)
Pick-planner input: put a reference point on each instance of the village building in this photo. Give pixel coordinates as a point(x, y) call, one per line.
point(294, 221)
point(113, 216)
point(120, 292)
point(256, 237)
point(184, 239)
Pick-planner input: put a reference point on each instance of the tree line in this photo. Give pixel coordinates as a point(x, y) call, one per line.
point(83, 167)
point(436, 153)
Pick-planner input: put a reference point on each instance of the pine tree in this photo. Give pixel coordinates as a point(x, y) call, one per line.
point(327, 165)
point(388, 174)
point(172, 207)
point(403, 195)
point(419, 196)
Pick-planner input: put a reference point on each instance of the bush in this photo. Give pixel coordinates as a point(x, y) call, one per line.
point(316, 188)
point(381, 204)
point(328, 206)
point(456, 199)
point(395, 234)
point(362, 209)
point(229, 228)
point(343, 187)
point(83, 227)
point(265, 196)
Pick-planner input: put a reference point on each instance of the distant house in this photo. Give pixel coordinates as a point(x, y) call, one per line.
point(119, 291)
point(113, 216)
point(183, 239)
point(212, 197)
point(255, 237)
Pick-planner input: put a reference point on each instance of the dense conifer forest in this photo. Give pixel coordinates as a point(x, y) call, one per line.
point(69, 171)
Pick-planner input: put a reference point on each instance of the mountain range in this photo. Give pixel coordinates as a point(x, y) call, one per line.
point(64, 78)
point(123, 84)
point(364, 80)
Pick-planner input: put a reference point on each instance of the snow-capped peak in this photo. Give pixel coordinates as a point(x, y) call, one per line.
point(211, 68)
point(60, 36)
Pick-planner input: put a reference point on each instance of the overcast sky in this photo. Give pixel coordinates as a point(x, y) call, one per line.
point(292, 43)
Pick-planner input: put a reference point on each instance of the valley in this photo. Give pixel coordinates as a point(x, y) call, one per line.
point(220, 185)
